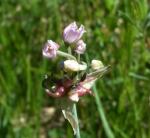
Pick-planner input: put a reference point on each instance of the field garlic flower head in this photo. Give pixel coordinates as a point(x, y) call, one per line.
point(77, 78)
point(73, 78)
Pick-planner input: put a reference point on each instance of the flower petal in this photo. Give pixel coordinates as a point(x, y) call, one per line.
point(72, 33)
point(80, 47)
point(50, 49)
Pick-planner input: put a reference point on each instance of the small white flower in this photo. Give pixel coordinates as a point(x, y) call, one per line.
point(96, 64)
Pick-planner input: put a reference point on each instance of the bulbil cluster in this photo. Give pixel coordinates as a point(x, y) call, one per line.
point(76, 82)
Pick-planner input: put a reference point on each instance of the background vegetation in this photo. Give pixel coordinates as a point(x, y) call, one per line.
point(117, 34)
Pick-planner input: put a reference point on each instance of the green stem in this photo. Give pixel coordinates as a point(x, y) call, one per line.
point(78, 58)
point(102, 115)
point(69, 50)
point(63, 54)
point(76, 118)
point(75, 108)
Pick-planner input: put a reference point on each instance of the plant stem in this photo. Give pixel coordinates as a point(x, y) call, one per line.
point(75, 110)
point(60, 53)
point(76, 118)
point(102, 114)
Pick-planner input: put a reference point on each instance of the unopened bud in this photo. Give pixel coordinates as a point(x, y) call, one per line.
point(73, 65)
point(80, 47)
point(82, 67)
point(96, 64)
point(50, 49)
point(74, 97)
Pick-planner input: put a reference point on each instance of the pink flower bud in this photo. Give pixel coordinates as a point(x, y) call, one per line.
point(50, 49)
point(80, 47)
point(60, 91)
point(72, 33)
point(78, 92)
point(74, 97)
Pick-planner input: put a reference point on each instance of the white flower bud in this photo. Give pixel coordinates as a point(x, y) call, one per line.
point(96, 64)
point(50, 49)
point(82, 67)
point(73, 65)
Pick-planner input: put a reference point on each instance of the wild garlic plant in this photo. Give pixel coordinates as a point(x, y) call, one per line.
point(78, 77)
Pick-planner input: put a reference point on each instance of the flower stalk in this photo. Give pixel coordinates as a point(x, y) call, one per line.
point(77, 77)
point(75, 114)
point(107, 129)
point(63, 54)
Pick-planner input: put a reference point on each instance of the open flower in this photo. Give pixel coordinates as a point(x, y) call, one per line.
point(72, 33)
point(50, 49)
point(80, 47)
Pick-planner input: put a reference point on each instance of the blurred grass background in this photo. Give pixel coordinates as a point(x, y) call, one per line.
point(117, 33)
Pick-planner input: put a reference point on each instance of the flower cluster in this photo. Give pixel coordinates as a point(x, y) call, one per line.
point(80, 76)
